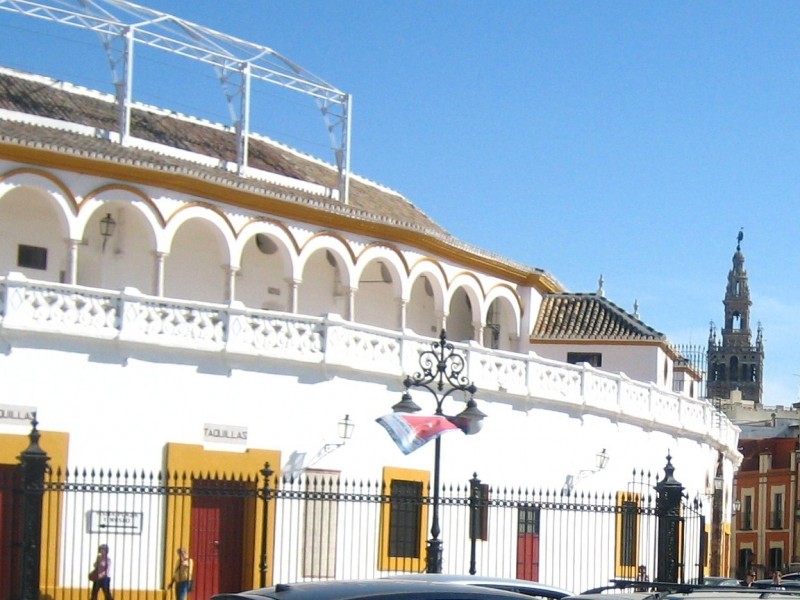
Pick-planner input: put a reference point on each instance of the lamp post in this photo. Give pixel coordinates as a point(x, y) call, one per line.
point(442, 373)
point(716, 521)
point(600, 462)
point(346, 427)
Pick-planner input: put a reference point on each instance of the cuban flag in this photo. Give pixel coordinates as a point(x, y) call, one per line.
point(410, 432)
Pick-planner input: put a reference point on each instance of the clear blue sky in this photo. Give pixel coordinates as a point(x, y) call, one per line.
point(628, 139)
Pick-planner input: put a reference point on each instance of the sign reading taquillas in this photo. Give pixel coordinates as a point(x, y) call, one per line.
point(17, 415)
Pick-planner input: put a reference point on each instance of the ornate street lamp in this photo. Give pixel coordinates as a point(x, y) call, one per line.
point(346, 427)
point(442, 373)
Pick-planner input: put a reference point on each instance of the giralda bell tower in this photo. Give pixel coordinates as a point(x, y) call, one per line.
point(734, 363)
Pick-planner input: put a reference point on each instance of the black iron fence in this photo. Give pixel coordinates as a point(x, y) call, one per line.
point(246, 532)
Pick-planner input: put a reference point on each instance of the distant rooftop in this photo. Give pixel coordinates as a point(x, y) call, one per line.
point(571, 317)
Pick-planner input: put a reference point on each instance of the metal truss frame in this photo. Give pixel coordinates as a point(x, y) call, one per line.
point(122, 24)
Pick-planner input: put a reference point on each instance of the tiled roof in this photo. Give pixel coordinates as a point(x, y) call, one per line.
point(43, 98)
point(588, 317)
point(368, 201)
point(781, 449)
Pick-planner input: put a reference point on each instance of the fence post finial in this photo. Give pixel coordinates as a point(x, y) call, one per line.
point(33, 463)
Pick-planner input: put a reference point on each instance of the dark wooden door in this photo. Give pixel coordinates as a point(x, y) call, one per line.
point(10, 531)
point(216, 541)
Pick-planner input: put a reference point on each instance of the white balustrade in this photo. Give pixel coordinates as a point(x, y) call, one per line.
point(375, 350)
point(129, 316)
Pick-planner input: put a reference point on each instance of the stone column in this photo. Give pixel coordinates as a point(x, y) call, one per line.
point(159, 282)
point(72, 262)
point(231, 291)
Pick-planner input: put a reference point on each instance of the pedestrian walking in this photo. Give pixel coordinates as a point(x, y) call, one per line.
point(641, 575)
point(776, 580)
point(183, 575)
point(100, 573)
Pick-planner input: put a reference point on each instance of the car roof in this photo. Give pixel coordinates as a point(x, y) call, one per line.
point(719, 581)
point(732, 593)
point(792, 584)
point(370, 588)
point(614, 593)
point(618, 593)
point(695, 593)
point(506, 583)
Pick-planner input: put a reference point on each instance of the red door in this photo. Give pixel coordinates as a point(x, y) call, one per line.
point(216, 540)
point(528, 544)
point(10, 530)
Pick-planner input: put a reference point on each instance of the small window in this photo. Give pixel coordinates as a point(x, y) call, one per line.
point(595, 359)
point(528, 520)
point(403, 517)
point(405, 523)
point(777, 511)
point(775, 559)
point(479, 526)
point(747, 514)
point(627, 517)
point(32, 257)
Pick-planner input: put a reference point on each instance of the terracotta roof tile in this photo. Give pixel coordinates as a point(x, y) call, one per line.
point(35, 97)
point(780, 448)
point(368, 202)
point(566, 316)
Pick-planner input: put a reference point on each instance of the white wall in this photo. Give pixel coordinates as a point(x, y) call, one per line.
point(639, 362)
point(120, 410)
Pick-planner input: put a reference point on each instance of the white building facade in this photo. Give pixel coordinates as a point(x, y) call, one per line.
point(161, 312)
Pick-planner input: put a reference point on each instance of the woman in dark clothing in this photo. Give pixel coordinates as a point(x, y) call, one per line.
point(99, 576)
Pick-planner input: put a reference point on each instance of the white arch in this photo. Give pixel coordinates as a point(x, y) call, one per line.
point(385, 254)
point(103, 198)
point(289, 255)
point(433, 273)
point(424, 310)
point(54, 191)
point(501, 291)
point(205, 214)
point(341, 253)
point(502, 330)
point(34, 224)
point(377, 299)
point(471, 286)
point(267, 254)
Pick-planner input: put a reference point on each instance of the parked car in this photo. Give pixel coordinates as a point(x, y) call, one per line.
point(731, 593)
point(615, 594)
point(719, 581)
point(789, 580)
point(520, 586)
point(368, 589)
point(689, 592)
point(625, 589)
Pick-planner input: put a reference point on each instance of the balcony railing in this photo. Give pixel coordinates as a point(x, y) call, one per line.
point(131, 317)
